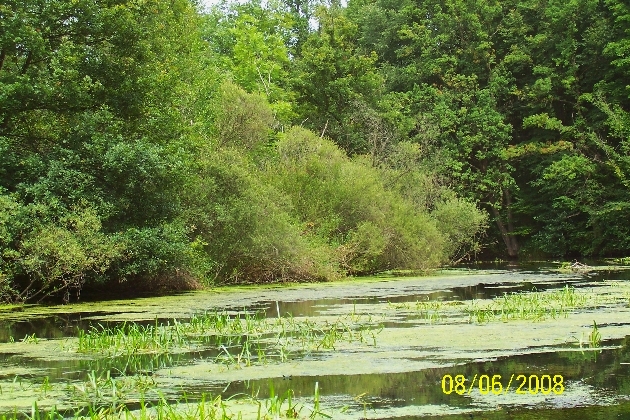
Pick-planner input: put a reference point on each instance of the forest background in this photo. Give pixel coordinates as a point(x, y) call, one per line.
point(147, 144)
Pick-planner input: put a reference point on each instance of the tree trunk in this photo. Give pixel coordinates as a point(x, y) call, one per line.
point(507, 233)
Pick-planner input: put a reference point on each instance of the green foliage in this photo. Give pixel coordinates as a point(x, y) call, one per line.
point(145, 143)
point(515, 95)
point(408, 172)
point(251, 46)
point(332, 78)
point(326, 185)
point(242, 119)
point(152, 251)
point(92, 137)
point(462, 223)
point(42, 256)
point(345, 202)
point(248, 233)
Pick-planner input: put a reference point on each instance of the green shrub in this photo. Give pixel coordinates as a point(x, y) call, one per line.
point(364, 248)
point(328, 189)
point(463, 224)
point(412, 175)
point(344, 202)
point(247, 230)
point(415, 240)
point(410, 171)
point(43, 257)
point(155, 251)
point(241, 119)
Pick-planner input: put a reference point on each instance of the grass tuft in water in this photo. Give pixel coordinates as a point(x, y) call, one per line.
point(242, 339)
point(535, 306)
point(595, 337)
point(28, 339)
point(129, 338)
point(206, 408)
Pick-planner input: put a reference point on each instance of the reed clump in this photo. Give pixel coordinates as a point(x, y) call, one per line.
point(241, 339)
point(129, 338)
point(535, 306)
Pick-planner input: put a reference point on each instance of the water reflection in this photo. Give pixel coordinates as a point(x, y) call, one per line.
point(519, 277)
point(596, 375)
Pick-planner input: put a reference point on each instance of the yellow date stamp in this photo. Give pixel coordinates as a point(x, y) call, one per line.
point(518, 384)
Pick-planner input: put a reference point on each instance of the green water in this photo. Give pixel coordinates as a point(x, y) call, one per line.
point(400, 371)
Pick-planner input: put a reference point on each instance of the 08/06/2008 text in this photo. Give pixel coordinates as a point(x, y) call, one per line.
point(532, 384)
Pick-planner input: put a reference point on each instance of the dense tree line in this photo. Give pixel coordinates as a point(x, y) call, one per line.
point(149, 143)
point(527, 101)
point(520, 106)
point(144, 143)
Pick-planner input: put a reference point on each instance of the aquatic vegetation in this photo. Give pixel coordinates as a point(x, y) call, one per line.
point(128, 338)
point(275, 405)
point(593, 340)
point(595, 337)
point(317, 410)
point(32, 338)
point(574, 267)
point(160, 368)
point(432, 311)
point(98, 389)
point(242, 339)
point(45, 386)
point(206, 407)
point(286, 336)
point(535, 306)
point(361, 400)
point(223, 323)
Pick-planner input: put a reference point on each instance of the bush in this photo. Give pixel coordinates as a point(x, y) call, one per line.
point(327, 189)
point(364, 248)
point(462, 223)
point(415, 242)
point(412, 174)
point(42, 257)
point(344, 202)
point(241, 119)
point(247, 231)
point(155, 251)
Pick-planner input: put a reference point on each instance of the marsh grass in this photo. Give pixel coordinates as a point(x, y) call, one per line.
point(224, 323)
point(206, 408)
point(242, 339)
point(28, 339)
point(595, 337)
point(511, 306)
point(275, 405)
point(129, 338)
point(431, 311)
point(535, 306)
point(123, 357)
point(104, 390)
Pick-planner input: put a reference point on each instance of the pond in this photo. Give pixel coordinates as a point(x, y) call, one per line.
point(511, 341)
